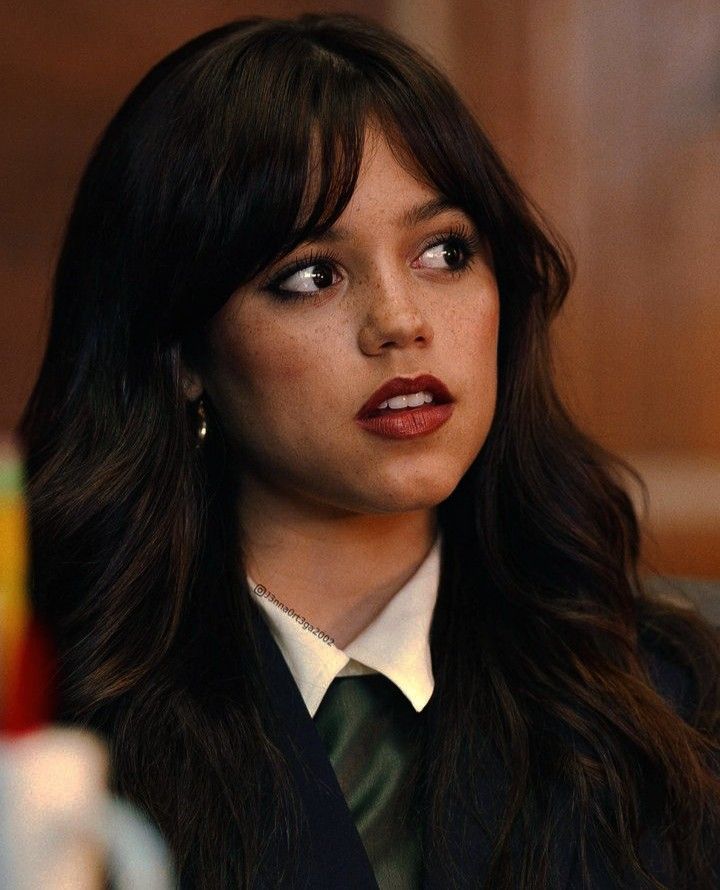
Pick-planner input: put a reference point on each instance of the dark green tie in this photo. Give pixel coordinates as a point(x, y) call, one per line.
point(372, 732)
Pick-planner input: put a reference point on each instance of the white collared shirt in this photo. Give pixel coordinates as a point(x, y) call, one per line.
point(396, 643)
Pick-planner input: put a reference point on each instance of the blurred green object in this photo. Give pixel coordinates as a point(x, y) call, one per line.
point(11, 470)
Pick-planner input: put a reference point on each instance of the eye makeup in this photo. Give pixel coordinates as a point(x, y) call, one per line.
point(461, 237)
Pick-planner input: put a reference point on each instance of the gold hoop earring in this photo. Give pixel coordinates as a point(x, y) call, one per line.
point(202, 428)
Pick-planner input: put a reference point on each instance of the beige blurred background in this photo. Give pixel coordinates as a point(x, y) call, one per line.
point(607, 112)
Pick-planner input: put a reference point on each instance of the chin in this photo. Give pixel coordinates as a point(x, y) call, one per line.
point(411, 498)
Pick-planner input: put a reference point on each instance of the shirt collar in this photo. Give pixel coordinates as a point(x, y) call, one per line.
point(396, 643)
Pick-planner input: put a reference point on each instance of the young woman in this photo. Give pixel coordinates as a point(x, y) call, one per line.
point(232, 513)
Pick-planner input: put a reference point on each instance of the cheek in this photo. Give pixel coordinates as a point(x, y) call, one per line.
point(275, 371)
point(262, 374)
point(487, 319)
point(476, 332)
point(491, 327)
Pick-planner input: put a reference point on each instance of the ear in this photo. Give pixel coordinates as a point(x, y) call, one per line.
point(192, 383)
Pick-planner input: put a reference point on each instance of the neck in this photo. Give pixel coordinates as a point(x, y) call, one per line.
point(339, 570)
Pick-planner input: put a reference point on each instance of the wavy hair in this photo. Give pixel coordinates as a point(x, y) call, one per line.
point(540, 636)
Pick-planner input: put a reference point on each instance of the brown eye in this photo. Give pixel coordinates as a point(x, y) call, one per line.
point(448, 254)
point(309, 279)
point(305, 279)
point(453, 254)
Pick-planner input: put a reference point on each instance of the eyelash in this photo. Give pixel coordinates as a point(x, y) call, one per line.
point(470, 244)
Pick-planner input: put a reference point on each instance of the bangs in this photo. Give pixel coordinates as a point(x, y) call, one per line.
point(296, 152)
point(279, 116)
point(298, 172)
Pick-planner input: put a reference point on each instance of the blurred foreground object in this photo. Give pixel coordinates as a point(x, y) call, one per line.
point(26, 658)
point(59, 827)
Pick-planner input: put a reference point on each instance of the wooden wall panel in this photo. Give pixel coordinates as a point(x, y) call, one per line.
point(609, 114)
point(66, 67)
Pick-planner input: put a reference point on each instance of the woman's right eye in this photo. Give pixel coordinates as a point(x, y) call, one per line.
point(307, 279)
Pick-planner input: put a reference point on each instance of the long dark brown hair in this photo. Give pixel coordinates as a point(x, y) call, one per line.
point(542, 630)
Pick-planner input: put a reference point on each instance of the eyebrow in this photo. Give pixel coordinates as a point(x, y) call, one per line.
point(412, 217)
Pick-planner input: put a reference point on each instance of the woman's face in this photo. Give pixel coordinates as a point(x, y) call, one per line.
point(288, 371)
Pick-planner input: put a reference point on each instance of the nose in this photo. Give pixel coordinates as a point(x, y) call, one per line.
point(394, 316)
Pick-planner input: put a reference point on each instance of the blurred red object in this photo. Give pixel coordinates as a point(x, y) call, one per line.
point(27, 657)
point(29, 699)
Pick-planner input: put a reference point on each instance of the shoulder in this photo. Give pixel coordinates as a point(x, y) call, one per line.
point(699, 594)
point(679, 632)
point(672, 679)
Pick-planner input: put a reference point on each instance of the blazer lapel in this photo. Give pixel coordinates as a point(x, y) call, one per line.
point(470, 845)
point(468, 842)
point(333, 855)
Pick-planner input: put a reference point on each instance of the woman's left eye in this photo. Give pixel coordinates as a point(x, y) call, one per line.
point(451, 253)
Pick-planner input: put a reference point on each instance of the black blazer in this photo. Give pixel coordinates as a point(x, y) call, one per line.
point(334, 857)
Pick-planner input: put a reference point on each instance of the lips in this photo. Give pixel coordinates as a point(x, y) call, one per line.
point(404, 386)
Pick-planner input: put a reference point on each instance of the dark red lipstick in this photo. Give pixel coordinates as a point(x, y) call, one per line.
point(404, 423)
